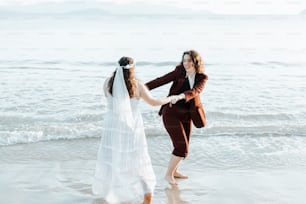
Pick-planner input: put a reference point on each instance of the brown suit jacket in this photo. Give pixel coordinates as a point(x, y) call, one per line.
point(177, 76)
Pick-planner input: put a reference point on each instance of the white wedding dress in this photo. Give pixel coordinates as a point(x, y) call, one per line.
point(124, 171)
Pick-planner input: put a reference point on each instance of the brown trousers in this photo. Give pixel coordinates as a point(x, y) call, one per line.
point(177, 122)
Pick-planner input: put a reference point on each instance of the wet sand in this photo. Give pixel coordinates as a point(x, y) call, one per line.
point(60, 172)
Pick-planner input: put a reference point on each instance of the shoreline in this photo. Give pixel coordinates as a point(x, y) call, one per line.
point(60, 172)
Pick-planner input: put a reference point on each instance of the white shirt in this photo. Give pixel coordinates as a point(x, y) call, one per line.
point(191, 83)
point(191, 80)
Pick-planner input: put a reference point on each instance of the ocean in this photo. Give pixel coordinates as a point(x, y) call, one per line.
point(52, 70)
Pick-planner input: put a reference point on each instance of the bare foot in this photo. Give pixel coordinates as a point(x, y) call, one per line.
point(147, 198)
point(179, 175)
point(170, 180)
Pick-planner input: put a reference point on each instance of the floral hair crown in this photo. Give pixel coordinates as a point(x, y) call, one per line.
point(128, 66)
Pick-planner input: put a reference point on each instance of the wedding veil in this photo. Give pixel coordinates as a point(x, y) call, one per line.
point(121, 98)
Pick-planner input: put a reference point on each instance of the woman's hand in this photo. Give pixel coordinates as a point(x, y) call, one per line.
point(176, 98)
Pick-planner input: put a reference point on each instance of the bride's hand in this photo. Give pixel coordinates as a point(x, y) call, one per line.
point(176, 98)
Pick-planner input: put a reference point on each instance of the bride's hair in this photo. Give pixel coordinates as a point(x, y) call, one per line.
point(128, 74)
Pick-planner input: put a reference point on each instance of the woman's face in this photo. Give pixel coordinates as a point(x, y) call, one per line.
point(188, 64)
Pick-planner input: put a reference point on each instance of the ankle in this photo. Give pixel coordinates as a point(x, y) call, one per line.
point(147, 198)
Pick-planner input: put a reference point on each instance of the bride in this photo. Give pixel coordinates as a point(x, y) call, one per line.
point(124, 171)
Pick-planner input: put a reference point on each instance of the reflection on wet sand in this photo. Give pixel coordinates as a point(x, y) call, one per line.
point(174, 195)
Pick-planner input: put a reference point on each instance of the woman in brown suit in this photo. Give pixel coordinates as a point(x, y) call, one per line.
point(188, 82)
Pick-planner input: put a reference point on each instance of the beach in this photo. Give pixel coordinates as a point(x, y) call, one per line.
point(55, 58)
point(62, 171)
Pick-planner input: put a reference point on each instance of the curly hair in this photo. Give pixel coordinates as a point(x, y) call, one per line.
point(196, 59)
point(129, 76)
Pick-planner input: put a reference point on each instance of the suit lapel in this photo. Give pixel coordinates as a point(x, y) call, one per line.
point(181, 79)
point(180, 82)
point(195, 79)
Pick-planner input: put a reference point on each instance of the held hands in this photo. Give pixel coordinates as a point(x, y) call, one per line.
point(176, 98)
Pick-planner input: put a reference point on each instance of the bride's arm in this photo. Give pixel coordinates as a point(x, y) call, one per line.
point(105, 87)
point(147, 97)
